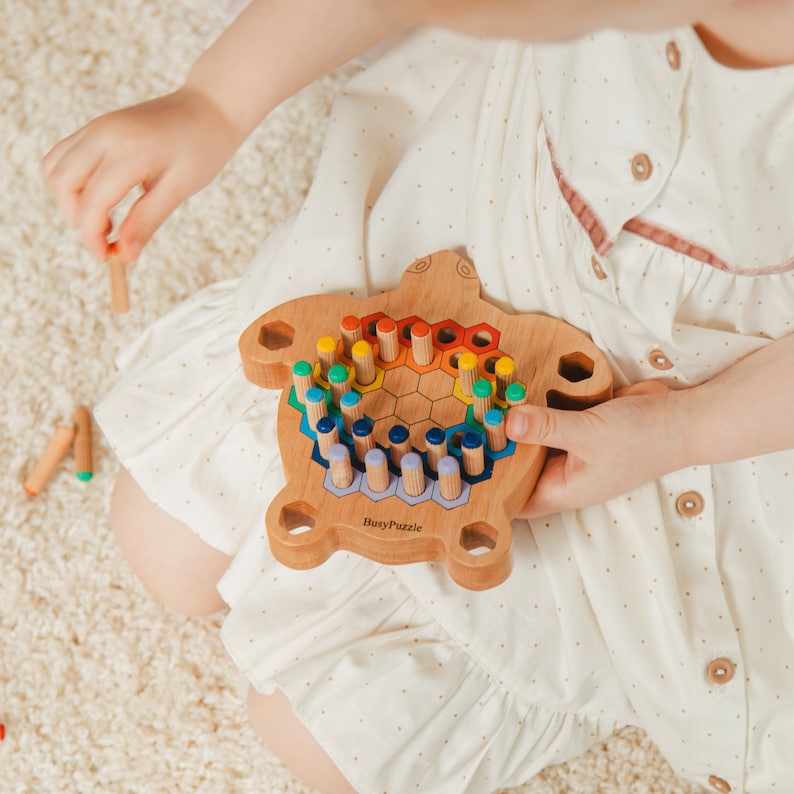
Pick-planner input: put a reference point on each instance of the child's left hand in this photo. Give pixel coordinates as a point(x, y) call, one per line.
point(606, 450)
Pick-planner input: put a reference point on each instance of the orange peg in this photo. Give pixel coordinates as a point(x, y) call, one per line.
point(48, 462)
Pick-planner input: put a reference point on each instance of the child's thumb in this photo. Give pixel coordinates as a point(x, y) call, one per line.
point(549, 427)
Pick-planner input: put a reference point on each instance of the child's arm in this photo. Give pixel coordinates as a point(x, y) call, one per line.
point(649, 431)
point(174, 145)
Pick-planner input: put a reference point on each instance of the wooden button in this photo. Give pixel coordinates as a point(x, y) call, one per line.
point(718, 784)
point(689, 504)
point(673, 55)
point(658, 360)
point(597, 269)
point(720, 671)
point(641, 166)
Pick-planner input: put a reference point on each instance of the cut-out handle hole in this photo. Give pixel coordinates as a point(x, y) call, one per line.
point(276, 335)
point(298, 518)
point(478, 538)
point(575, 367)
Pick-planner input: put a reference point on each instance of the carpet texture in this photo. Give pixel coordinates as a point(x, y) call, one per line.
point(101, 689)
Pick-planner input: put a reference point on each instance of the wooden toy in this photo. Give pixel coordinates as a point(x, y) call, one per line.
point(119, 296)
point(45, 467)
point(83, 448)
point(394, 506)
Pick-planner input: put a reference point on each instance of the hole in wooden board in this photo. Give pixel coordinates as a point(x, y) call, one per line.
point(446, 335)
point(490, 365)
point(455, 439)
point(276, 335)
point(481, 338)
point(478, 538)
point(298, 518)
point(575, 367)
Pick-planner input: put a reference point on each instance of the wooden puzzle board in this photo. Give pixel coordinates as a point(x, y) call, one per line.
point(311, 517)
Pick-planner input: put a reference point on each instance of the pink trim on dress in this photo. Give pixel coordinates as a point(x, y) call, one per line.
point(597, 232)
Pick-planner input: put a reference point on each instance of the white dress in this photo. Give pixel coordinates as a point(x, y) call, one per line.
point(633, 187)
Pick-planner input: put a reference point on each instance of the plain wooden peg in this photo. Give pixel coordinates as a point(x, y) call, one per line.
point(119, 296)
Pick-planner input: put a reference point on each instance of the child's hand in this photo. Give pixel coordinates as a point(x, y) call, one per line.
point(606, 450)
point(170, 147)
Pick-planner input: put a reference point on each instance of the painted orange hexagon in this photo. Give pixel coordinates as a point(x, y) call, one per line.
point(487, 363)
point(449, 359)
point(481, 338)
point(368, 325)
point(447, 334)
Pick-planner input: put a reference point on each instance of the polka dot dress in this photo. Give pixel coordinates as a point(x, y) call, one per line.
point(633, 187)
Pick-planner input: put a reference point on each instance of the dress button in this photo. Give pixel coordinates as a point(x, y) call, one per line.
point(720, 671)
point(597, 269)
point(658, 360)
point(673, 55)
point(641, 166)
point(689, 504)
point(718, 784)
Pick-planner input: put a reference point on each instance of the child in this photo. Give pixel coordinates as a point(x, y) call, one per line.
point(633, 180)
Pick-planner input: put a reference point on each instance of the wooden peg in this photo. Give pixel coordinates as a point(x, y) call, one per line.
point(316, 406)
point(119, 295)
point(495, 436)
point(340, 466)
point(388, 340)
point(505, 371)
point(377, 470)
point(352, 410)
point(363, 440)
point(302, 379)
point(351, 332)
point(422, 343)
point(473, 454)
point(515, 394)
point(327, 354)
point(413, 474)
point(327, 435)
point(339, 381)
point(449, 478)
point(482, 392)
point(399, 443)
point(48, 462)
point(467, 370)
point(83, 448)
point(436, 445)
point(363, 363)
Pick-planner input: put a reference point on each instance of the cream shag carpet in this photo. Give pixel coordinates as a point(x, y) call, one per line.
point(101, 689)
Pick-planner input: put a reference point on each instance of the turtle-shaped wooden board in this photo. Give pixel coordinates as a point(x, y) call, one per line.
point(391, 420)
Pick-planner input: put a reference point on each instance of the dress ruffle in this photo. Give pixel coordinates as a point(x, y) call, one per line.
point(180, 406)
point(391, 696)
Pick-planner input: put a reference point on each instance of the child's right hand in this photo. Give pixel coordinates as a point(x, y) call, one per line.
point(171, 147)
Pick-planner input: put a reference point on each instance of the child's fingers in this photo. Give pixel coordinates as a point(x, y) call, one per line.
point(146, 216)
point(67, 168)
point(54, 155)
point(109, 183)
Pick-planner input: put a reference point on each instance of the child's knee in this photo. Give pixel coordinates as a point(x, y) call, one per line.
point(172, 562)
point(288, 738)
